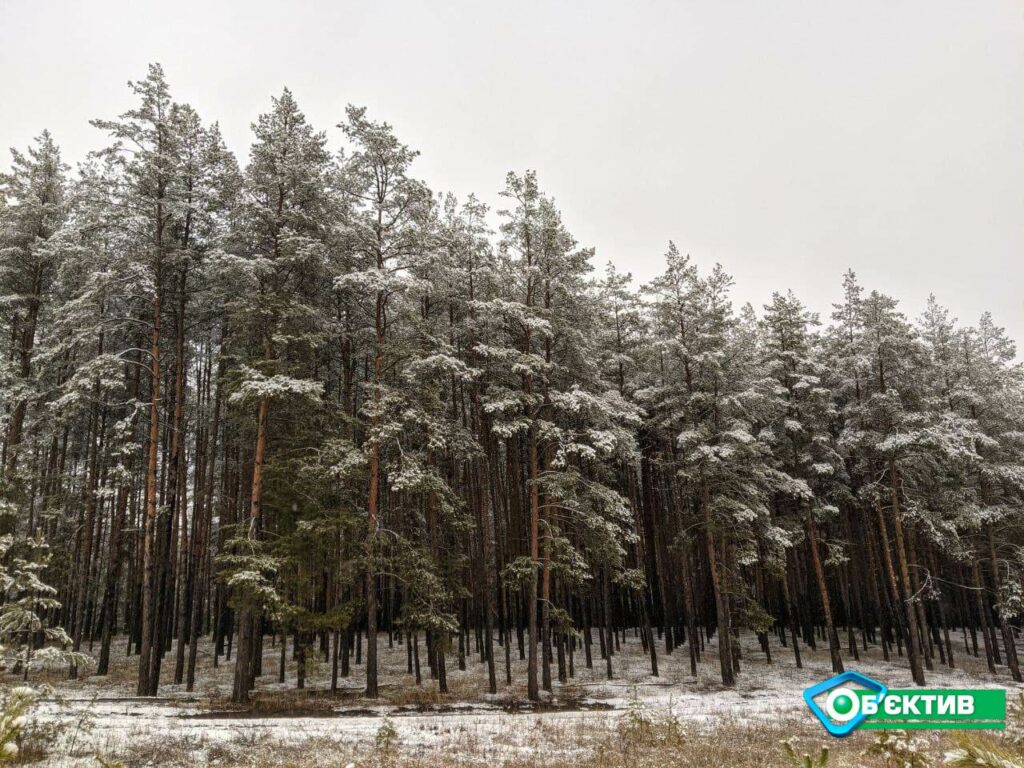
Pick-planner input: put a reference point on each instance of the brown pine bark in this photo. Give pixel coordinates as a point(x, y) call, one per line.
point(248, 620)
point(201, 541)
point(95, 441)
point(144, 687)
point(826, 603)
point(372, 516)
point(721, 607)
point(914, 639)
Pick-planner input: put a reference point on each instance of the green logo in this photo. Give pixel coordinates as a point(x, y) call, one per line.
point(967, 708)
point(842, 708)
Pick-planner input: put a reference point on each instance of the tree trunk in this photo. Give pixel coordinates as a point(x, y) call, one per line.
point(248, 619)
point(145, 687)
point(724, 649)
point(1008, 641)
point(913, 641)
point(826, 604)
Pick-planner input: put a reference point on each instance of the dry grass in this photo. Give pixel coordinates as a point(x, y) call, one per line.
point(405, 693)
point(556, 745)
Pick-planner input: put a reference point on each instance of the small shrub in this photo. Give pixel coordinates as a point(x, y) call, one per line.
point(803, 760)
point(641, 728)
point(898, 750)
point(26, 738)
point(13, 721)
point(386, 742)
point(636, 726)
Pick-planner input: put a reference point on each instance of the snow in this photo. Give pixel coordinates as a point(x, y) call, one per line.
point(499, 724)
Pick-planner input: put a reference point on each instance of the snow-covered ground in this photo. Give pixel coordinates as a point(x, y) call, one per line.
point(103, 714)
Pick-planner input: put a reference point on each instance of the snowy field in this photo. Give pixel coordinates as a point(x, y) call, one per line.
point(103, 717)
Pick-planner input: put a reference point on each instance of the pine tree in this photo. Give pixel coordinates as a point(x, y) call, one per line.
point(386, 236)
point(35, 208)
point(803, 410)
point(275, 324)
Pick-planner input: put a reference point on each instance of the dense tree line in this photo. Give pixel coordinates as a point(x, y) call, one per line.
point(309, 399)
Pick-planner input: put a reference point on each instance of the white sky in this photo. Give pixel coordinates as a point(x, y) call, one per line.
point(787, 140)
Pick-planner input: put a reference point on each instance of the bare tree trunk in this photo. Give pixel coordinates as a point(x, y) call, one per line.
point(913, 642)
point(533, 691)
point(371, 542)
point(1008, 641)
point(248, 620)
point(724, 648)
point(826, 604)
point(979, 596)
point(201, 541)
point(791, 613)
point(149, 582)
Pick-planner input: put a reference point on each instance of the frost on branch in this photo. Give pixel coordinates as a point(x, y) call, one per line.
point(255, 386)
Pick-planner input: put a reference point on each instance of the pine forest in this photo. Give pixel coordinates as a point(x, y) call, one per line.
point(299, 400)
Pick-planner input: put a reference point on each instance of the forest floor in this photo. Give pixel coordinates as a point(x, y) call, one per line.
point(632, 720)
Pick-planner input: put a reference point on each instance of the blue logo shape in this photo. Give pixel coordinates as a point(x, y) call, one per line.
point(847, 711)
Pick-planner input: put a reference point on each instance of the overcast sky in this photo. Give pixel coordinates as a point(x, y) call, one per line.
point(787, 140)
